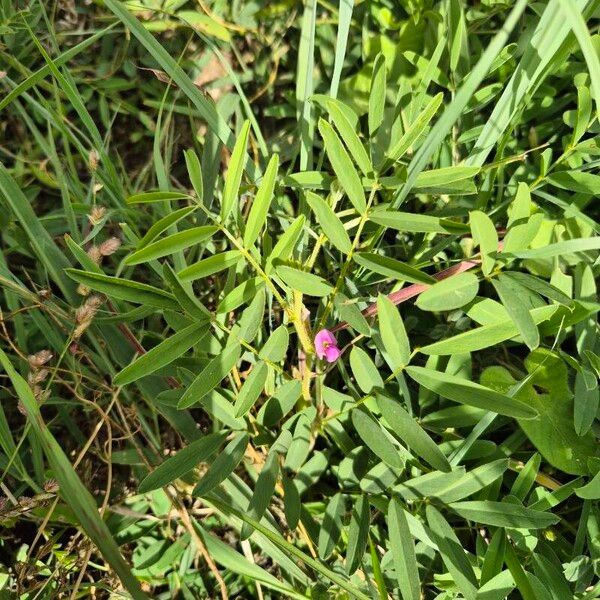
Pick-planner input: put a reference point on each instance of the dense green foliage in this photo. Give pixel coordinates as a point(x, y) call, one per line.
point(298, 300)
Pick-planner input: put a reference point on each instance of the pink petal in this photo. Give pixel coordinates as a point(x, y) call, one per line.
point(332, 353)
point(323, 340)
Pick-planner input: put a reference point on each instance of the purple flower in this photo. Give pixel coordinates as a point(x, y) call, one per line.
point(326, 346)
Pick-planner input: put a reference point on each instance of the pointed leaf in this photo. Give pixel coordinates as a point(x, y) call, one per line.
point(171, 244)
point(403, 552)
point(162, 354)
point(252, 389)
point(212, 374)
point(223, 465)
point(343, 167)
point(183, 462)
point(124, 289)
point(411, 433)
point(330, 223)
point(262, 201)
point(233, 178)
point(210, 266)
point(471, 393)
point(393, 333)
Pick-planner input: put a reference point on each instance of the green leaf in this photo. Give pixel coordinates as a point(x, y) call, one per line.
point(447, 177)
point(223, 466)
point(452, 553)
point(428, 485)
point(576, 181)
point(518, 222)
point(164, 223)
point(292, 550)
point(577, 23)
point(184, 296)
point(504, 514)
point(416, 129)
point(393, 333)
point(183, 462)
point(518, 573)
point(225, 555)
point(171, 244)
point(364, 370)
point(538, 285)
point(307, 283)
point(494, 557)
point(241, 294)
point(452, 486)
point(286, 243)
point(72, 490)
point(158, 196)
point(560, 248)
point(233, 178)
point(304, 83)
point(350, 312)
point(210, 266)
point(194, 168)
point(212, 374)
point(280, 403)
point(331, 528)
point(377, 94)
point(291, 502)
point(411, 433)
point(300, 447)
point(403, 552)
point(358, 533)
point(262, 201)
point(526, 478)
point(201, 102)
point(348, 133)
point(377, 574)
point(485, 336)
point(415, 223)
point(162, 354)
point(252, 389)
point(485, 236)
point(550, 572)
point(275, 348)
point(470, 393)
point(123, 289)
point(449, 294)
point(390, 267)
point(455, 109)
point(332, 227)
point(343, 167)
point(516, 308)
point(376, 438)
point(252, 317)
point(586, 403)
point(591, 490)
point(471, 482)
point(546, 48)
point(547, 391)
point(263, 491)
point(344, 21)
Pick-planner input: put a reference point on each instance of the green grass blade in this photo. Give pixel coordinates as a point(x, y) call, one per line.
point(344, 19)
point(543, 51)
point(74, 493)
point(205, 107)
point(444, 125)
point(590, 54)
point(304, 83)
point(282, 543)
